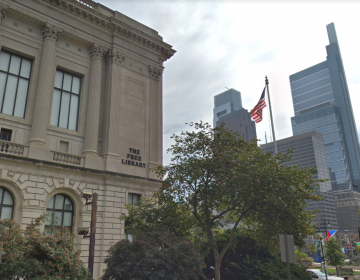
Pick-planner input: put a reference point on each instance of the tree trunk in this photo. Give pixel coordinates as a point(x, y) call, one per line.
point(217, 267)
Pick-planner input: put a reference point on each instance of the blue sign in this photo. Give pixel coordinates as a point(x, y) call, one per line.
point(317, 254)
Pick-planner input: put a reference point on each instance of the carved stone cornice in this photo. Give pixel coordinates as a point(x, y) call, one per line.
point(113, 56)
point(51, 32)
point(97, 51)
point(2, 12)
point(87, 10)
point(155, 73)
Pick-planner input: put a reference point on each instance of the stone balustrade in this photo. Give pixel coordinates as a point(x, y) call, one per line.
point(11, 148)
point(88, 3)
point(68, 158)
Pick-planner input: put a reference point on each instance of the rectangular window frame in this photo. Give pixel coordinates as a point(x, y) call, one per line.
point(132, 198)
point(71, 94)
point(18, 76)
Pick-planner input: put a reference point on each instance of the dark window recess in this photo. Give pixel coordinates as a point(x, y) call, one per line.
point(5, 134)
point(221, 113)
point(134, 198)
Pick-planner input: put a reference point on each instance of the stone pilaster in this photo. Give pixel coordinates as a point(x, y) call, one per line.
point(155, 115)
point(2, 12)
point(93, 105)
point(113, 115)
point(44, 93)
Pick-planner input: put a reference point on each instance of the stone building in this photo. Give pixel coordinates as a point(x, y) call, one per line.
point(80, 111)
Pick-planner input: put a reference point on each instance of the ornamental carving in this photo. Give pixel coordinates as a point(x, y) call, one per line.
point(2, 13)
point(86, 10)
point(97, 51)
point(155, 73)
point(51, 32)
point(114, 57)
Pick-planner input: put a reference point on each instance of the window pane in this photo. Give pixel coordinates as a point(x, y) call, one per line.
point(67, 219)
point(8, 198)
point(76, 85)
point(68, 204)
point(9, 100)
point(25, 68)
point(48, 218)
point(64, 110)
point(58, 218)
point(58, 79)
point(2, 87)
point(15, 65)
point(4, 61)
point(73, 111)
point(55, 108)
point(51, 203)
point(59, 202)
point(21, 98)
point(136, 199)
point(1, 193)
point(67, 82)
point(6, 213)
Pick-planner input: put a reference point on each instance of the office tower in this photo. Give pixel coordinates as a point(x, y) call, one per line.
point(225, 103)
point(309, 151)
point(239, 121)
point(347, 209)
point(321, 102)
point(80, 112)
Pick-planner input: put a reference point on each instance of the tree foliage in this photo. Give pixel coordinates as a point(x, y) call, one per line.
point(333, 253)
point(153, 256)
point(223, 179)
point(248, 259)
point(33, 255)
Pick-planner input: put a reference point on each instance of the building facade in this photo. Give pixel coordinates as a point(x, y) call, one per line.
point(81, 111)
point(309, 151)
point(321, 102)
point(225, 103)
point(347, 210)
point(239, 121)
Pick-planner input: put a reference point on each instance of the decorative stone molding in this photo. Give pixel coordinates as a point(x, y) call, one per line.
point(97, 51)
point(155, 73)
point(51, 32)
point(114, 57)
point(87, 10)
point(2, 12)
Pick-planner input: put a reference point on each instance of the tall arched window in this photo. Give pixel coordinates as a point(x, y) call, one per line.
point(62, 210)
point(6, 204)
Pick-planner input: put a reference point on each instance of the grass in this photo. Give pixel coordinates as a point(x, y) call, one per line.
point(333, 271)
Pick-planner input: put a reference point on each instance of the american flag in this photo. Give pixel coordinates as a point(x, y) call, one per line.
point(256, 113)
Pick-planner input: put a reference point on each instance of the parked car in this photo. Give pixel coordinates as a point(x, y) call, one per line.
point(317, 274)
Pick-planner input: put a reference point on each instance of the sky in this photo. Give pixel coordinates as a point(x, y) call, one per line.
point(234, 44)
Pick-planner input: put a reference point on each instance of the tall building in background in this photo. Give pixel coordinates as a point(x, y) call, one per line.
point(239, 121)
point(309, 151)
point(321, 102)
point(225, 103)
point(228, 110)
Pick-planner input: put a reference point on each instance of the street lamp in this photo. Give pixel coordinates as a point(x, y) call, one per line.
point(91, 199)
point(323, 263)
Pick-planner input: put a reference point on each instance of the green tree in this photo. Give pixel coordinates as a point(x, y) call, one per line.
point(221, 178)
point(31, 254)
point(299, 256)
point(333, 253)
point(247, 259)
point(153, 256)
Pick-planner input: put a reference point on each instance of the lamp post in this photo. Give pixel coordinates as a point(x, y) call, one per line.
point(84, 232)
point(326, 223)
point(323, 263)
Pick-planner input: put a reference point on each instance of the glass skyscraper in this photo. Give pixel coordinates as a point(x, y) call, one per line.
point(322, 103)
point(225, 103)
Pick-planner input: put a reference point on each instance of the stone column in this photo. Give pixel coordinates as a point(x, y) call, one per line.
point(45, 89)
point(155, 110)
point(93, 105)
point(112, 115)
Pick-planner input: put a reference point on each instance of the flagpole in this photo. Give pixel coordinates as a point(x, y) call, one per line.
point(271, 117)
